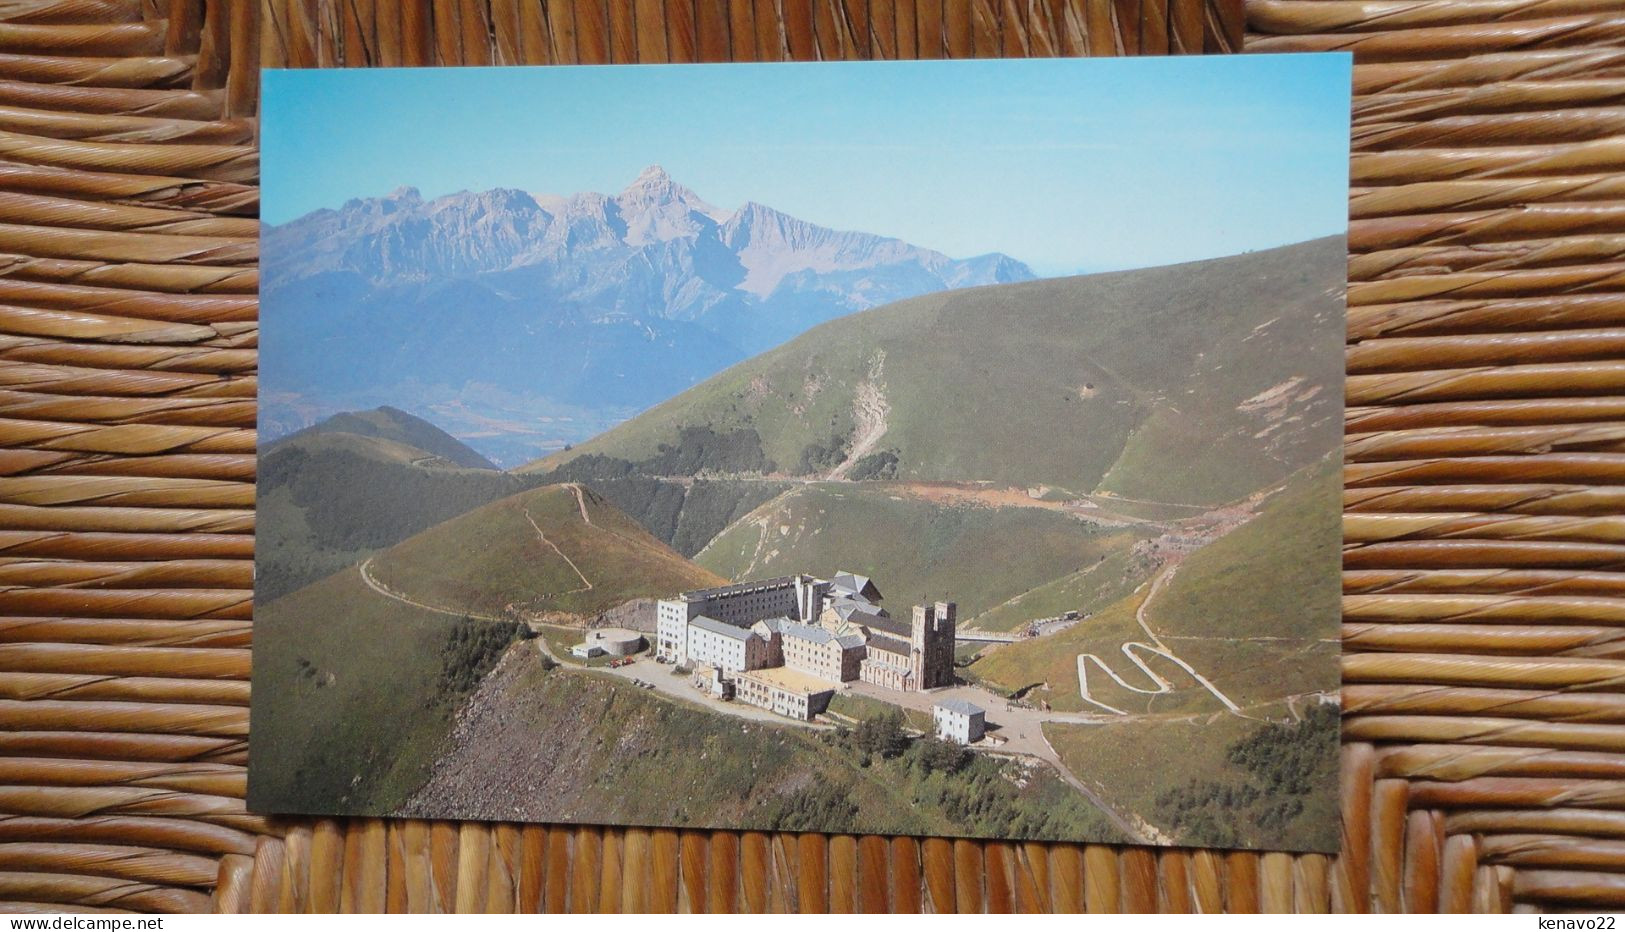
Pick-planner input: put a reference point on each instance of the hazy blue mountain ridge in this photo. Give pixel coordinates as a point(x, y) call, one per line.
point(580, 306)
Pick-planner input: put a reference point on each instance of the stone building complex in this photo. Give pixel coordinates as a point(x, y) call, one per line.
point(787, 643)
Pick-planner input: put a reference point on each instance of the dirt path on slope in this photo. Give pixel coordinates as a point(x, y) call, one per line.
point(762, 518)
point(365, 568)
point(586, 584)
point(581, 503)
point(1132, 824)
point(1161, 580)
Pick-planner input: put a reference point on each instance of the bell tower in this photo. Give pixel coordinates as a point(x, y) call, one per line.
point(919, 642)
point(939, 650)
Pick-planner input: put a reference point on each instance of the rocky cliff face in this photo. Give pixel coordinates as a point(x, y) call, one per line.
point(586, 302)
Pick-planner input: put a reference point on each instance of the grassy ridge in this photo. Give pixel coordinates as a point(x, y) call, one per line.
point(329, 499)
point(1275, 576)
point(685, 514)
point(493, 558)
point(921, 550)
point(1163, 383)
point(423, 440)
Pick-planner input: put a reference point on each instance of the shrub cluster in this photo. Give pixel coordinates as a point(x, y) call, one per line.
point(819, 456)
point(472, 649)
point(1283, 764)
point(879, 465)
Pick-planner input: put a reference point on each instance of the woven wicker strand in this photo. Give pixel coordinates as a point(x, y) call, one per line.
point(1484, 753)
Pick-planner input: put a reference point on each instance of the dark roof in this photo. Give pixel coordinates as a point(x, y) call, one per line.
point(776, 582)
point(884, 622)
point(892, 645)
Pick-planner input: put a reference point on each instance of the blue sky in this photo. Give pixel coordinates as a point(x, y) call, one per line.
point(1067, 164)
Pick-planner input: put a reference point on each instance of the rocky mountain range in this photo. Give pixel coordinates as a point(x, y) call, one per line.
point(524, 321)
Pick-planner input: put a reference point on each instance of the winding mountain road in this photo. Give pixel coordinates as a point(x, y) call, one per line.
point(1134, 650)
point(365, 568)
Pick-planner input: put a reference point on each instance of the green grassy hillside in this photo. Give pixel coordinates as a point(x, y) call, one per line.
point(327, 499)
point(1086, 591)
point(353, 694)
point(356, 682)
point(616, 754)
point(919, 549)
point(684, 513)
point(1273, 580)
point(396, 426)
point(1282, 566)
point(557, 549)
point(1225, 781)
point(1167, 383)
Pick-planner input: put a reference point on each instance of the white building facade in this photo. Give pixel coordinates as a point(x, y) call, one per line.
point(714, 644)
point(784, 693)
point(959, 721)
point(798, 598)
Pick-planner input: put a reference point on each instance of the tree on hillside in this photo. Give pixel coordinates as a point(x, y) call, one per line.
point(937, 755)
point(882, 735)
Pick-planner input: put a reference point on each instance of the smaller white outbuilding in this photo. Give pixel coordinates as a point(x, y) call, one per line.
point(618, 642)
point(959, 721)
point(586, 650)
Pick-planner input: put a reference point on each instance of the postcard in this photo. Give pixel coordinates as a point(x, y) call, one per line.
point(934, 448)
